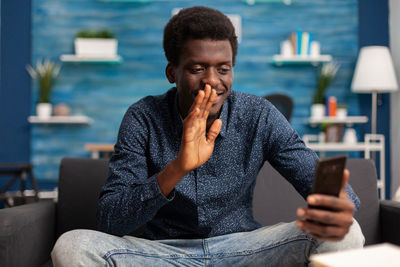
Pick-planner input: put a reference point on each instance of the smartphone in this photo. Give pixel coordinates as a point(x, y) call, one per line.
point(328, 176)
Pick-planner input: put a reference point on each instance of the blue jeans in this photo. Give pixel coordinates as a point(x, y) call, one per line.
point(278, 245)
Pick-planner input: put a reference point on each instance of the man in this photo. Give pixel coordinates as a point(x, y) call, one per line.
point(181, 180)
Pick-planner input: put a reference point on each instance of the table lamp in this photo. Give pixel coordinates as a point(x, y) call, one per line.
point(374, 74)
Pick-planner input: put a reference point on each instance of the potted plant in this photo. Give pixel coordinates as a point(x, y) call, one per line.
point(92, 43)
point(46, 73)
point(325, 76)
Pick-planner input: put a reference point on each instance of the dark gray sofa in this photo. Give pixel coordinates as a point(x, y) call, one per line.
point(28, 232)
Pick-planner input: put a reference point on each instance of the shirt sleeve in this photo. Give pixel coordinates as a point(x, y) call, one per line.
point(288, 154)
point(131, 196)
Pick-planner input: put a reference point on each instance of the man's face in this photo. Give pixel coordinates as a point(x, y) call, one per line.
point(203, 62)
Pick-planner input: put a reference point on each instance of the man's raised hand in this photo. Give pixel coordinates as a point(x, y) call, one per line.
point(197, 145)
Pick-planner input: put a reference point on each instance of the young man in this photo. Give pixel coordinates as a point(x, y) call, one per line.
point(182, 176)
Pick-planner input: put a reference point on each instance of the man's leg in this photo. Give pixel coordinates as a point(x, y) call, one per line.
point(278, 245)
point(354, 239)
point(92, 248)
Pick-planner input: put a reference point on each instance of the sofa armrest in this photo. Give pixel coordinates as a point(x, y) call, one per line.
point(27, 234)
point(390, 221)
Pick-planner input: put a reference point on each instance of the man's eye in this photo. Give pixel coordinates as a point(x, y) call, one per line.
point(196, 70)
point(224, 70)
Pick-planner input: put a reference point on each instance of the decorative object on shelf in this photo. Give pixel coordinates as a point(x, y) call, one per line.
point(94, 47)
point(350, 136)
point(341, 111)
point(325, 76)
point(374, 74)
point(333, 132)
point(91, 43)
point(46, 73)
point(332, 106)
point(62, 110)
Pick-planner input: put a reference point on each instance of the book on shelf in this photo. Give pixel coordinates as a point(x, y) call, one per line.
point(301, 42)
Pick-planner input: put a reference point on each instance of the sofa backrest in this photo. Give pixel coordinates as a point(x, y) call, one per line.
point(275, 200)
point(79, 186)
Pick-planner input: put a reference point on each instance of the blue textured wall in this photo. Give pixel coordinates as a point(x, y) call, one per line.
point(104, 92)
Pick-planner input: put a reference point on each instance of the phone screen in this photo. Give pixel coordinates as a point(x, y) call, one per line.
point(329, 175)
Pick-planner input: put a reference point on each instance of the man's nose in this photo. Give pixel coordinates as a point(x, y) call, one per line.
point(211, 77)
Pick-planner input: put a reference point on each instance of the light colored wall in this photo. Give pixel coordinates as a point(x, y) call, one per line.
point(394, 27)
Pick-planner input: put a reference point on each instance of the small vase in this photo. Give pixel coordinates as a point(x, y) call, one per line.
point(341, 113)
point(317, 111)
point(43, 110)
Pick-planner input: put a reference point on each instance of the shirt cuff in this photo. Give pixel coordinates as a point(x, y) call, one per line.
point(152, 190)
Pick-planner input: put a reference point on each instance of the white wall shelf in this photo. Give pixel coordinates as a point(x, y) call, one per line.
point(99, 60)
point(252, 2)
point(280, 60)
point(126, 1)
point(79, 119)
point(349, 120)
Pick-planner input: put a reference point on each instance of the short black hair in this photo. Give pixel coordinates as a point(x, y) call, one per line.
point(197, 23)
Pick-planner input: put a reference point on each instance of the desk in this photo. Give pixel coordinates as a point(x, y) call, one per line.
point(372, 143)
point(97, 148)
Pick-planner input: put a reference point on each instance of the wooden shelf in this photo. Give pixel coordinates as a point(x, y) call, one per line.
point(347, 120)
point(79, 119)
point(298, 59)
point(99, 60)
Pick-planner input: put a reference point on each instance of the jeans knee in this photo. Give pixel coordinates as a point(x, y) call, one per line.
point(354, 239)
point(68, 247)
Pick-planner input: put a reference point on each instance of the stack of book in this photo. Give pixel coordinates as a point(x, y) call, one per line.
point(301, 42)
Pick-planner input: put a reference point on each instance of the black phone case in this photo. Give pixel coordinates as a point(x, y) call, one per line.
point(328, 175)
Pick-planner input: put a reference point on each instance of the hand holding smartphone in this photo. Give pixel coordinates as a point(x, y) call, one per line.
point(328, 176)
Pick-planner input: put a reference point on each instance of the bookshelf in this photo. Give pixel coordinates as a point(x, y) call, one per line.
point(280, 60)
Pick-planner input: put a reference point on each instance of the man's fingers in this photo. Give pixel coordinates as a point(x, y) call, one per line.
point(325, 217)
point(330, 202)
point(197, 101)
point(320, 231)
point(214, 130)
point(207, 93)
point(210, 102)
point(346, 175)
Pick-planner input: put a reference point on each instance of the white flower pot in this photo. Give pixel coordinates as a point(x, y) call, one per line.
point(341, 113)
point(96, 47)
point(317, 111)
point(43, 110)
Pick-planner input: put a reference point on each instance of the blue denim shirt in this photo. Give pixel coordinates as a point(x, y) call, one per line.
point(214, 199)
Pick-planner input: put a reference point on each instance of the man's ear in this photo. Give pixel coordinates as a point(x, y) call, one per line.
point(170, 72)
